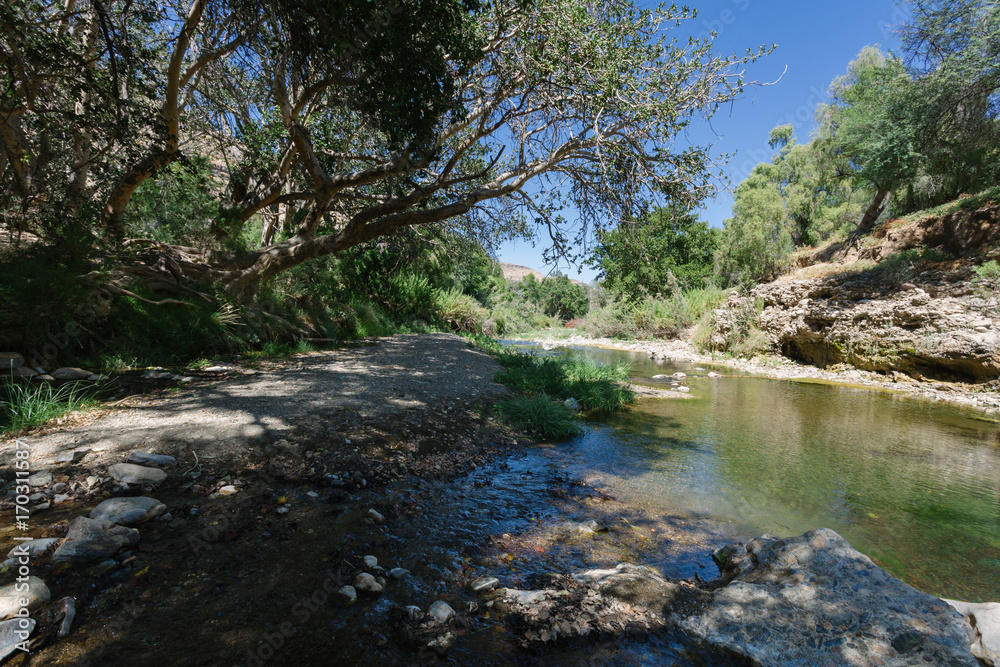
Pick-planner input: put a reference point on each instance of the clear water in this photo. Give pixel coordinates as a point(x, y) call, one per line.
point(915, 485)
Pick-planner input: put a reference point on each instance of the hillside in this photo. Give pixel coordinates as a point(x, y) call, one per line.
point(916, 299)
point(516, 273)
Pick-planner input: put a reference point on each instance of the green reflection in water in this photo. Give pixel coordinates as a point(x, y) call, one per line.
point(914, 485)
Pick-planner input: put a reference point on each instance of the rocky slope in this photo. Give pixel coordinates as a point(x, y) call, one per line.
point(922, 319)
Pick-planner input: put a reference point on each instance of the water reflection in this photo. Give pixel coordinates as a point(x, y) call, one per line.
point(915, 485)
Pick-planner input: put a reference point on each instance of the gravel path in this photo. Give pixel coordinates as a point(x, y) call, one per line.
point(232, 412)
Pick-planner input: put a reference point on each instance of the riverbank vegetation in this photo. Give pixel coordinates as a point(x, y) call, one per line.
point(551, 390)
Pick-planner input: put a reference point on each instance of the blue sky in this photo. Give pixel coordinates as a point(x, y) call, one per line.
point(816, 41)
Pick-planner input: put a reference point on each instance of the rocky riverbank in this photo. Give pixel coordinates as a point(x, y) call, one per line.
point(360, 506)
point(781, 368)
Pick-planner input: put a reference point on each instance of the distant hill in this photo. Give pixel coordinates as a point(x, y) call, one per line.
point(516, 273)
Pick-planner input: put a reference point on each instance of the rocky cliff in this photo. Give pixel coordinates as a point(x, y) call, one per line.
point(934, 321)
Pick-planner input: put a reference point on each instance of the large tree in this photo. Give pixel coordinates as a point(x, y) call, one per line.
point(873, 122)
point(638, 257)
point(341, 122)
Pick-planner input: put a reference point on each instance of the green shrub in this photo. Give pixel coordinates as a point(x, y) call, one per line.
point(460, 311)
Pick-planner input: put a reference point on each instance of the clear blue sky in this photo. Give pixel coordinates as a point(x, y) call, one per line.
point(816, 41)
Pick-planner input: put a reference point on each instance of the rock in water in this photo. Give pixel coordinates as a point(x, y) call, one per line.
point(365, 583)
point(90, 540)
point(12, 598)
point(69, 373)
point(985, 619)
point(128, 511)
point(14, 632)
point(371, 562)
point(814, 600)
point(135, 474)
point(155, 460)
point(441, 611)
point(483, 584)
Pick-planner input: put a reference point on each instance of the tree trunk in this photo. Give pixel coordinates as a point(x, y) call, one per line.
point(874, 211)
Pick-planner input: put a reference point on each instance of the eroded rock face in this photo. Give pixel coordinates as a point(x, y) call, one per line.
point(937, 326)
point(814, 600)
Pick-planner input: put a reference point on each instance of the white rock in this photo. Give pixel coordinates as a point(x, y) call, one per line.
point(679, 376)
point(713, 374)
point(371, 561)
point(376, 516)
point(984, 617)
point(128, 511)
point(398, 572)
point(216, 369)
point(348, 595)
point(157, 375)
point(135, 474)
point(366, 583)
point(45, 377)
point(441, 611)
point(413, 612)
point(660, 377)
point(227, 490)
point(11, 598)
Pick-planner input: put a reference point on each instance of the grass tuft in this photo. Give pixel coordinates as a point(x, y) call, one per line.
point(25, 405)
point(539, 416)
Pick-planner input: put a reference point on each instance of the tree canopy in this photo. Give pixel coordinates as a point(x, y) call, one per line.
point(329, 124)
point(637, 258)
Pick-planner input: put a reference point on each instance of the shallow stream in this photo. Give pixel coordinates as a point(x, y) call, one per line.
point(915, 485)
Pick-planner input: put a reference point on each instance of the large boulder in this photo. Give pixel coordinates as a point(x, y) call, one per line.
point(814, 600)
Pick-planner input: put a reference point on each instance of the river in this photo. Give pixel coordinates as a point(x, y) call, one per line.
point(913, 484)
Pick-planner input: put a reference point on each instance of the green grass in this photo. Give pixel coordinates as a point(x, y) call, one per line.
point(540, 416)
point(544, 382)
point(25, 405)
